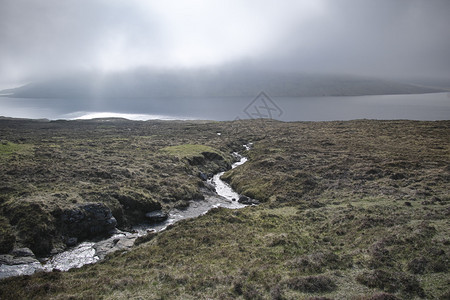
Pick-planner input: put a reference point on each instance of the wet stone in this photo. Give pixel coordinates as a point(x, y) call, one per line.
point(203, 176)
point(22, 252)
point(247, 201)
point(10, 260)
point(72, 241)
point(156, 216)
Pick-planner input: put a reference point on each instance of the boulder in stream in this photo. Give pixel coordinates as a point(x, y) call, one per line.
point(11, 260)
point(156, 216)
point(203, 176)
point(72, 241)
point(22, 252)
point(247, 201)
point(18, 256)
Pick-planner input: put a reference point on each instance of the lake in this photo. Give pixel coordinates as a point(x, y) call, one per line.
point(434, 106)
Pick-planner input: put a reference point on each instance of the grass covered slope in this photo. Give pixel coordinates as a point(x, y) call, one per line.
point(50, 171)
point(354, 209)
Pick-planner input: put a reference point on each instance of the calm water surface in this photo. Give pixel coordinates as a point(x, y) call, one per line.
point(415, 107)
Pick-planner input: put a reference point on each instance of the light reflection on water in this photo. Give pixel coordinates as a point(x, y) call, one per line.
point(434, 106)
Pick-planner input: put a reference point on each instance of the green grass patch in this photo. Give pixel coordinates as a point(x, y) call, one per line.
point(8, 148)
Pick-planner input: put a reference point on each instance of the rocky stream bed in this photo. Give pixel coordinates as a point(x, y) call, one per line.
point(217, 193)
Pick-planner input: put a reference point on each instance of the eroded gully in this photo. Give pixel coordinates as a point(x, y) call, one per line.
point(217, 194)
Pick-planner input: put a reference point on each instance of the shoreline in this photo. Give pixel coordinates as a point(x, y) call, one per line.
point(424, 107)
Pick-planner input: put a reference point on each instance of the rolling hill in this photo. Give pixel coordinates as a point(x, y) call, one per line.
point(210, 83)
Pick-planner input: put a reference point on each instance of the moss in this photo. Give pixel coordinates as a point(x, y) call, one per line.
point(319, 262)
point(189, 151)
point(7, 237)
point(201, 158)
point(383, 296)
point(312, 284)
point(34, 224)
point(391, 282)
point(7, 149)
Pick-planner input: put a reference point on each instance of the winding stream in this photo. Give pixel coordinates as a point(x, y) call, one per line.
point(91, 252)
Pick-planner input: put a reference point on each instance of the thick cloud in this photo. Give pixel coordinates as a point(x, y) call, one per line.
point(383, 37)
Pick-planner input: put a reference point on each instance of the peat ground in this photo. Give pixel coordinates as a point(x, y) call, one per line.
point(356, 209)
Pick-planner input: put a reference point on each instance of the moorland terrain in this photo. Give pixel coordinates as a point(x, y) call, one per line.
point(349, 210)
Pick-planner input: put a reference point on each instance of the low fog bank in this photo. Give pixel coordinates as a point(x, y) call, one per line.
point(213, 82)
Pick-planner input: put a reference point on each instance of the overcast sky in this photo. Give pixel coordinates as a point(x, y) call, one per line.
point(373, 37)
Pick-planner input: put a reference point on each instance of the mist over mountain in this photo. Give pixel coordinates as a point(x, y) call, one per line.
point(222, 82)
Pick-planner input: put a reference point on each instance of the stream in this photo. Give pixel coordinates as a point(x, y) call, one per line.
point(91, 252)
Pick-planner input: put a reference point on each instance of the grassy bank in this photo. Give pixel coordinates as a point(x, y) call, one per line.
point(131, 167)
point(354, 209)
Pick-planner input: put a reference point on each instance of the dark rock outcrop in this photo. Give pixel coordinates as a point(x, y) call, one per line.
point(135, 205)
point(87, 221)
point(204, 158)
point(11, 260)
point(71, 241)
point(18, 256)
point(22, 252)
point(212, 155)
point(247, 201)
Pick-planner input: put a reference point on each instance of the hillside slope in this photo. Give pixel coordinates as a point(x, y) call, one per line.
point(207, 83)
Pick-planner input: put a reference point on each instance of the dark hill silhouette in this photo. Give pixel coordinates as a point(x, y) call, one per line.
point(211, 83)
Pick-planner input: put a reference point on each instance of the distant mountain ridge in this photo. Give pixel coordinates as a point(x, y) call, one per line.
point(209, 83)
